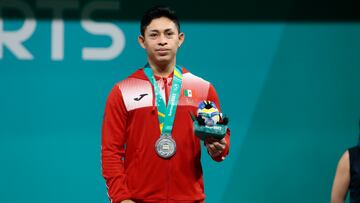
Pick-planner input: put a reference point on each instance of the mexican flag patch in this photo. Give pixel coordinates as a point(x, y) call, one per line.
point(187, 93)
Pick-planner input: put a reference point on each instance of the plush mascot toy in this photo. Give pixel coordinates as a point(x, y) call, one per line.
point(209, 122)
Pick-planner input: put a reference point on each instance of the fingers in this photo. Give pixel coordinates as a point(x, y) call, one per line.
point(219, 146)
point(216, 148)
point(212, 150)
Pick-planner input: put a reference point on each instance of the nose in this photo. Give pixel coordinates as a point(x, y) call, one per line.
point(162, 40)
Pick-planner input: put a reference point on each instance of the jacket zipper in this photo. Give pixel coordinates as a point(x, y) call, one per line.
point(166, 90)
point(168, 167)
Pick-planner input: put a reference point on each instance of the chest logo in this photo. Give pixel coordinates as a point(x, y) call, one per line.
point(140, 97)
point(188, 93)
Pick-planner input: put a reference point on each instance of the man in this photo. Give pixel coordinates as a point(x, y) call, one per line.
point(149, 150)
point(347, 176)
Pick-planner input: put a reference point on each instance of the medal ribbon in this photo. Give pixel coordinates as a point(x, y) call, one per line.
point(166, 114)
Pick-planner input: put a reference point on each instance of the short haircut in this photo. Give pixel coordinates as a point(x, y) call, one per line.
point(158, 12)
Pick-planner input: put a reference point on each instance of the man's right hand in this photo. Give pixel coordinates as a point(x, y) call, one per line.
point(127, 201)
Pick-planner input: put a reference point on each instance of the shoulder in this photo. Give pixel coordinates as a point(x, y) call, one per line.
point(135, 90)
point(191, 76)
point(194, 80)
point(345, 155)
point(136, 80)
point(344, 161)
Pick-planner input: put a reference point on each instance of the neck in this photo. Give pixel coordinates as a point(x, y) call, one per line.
point(162, 70)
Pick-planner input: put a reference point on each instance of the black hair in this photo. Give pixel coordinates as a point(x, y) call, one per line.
point(158, 12)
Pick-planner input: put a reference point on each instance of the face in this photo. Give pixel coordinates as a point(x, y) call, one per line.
point(161, 40)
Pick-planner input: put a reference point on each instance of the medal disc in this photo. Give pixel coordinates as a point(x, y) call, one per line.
point(165, 146)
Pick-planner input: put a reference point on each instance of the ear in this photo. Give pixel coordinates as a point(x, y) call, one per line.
point(181, 39)
point(141, 40)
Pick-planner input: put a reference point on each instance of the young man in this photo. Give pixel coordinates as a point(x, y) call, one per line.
point(149, 150)
point(347, 176)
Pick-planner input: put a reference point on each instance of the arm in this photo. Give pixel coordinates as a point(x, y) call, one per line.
point(112, 147)
point(218, 149)
point(341, 180)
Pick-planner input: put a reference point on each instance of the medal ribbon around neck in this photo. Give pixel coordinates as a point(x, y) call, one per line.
point(166, 114)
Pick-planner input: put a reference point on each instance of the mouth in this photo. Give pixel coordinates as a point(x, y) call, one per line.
point(162, 51)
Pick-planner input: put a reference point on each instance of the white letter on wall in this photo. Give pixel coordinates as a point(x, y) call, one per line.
point(13, 39)
point(109, 29)
point(57, 26)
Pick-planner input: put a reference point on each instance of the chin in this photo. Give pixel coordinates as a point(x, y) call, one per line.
point(163, 59)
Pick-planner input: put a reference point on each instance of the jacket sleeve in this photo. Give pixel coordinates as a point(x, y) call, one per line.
point(212, 96)
point(113, 146)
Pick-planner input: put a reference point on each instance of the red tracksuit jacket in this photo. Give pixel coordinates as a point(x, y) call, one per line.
point(130, 165)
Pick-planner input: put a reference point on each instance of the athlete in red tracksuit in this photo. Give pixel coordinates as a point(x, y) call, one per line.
point(132, 169)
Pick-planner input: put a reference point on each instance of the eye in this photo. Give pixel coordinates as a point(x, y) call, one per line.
point(170, 34)
point(153, 34)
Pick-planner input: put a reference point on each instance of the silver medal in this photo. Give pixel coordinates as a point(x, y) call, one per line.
point(165, 146)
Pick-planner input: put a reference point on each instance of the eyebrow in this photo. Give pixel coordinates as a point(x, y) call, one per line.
point(166, 30)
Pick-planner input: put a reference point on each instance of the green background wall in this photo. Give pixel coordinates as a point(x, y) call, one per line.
point(290, 89)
